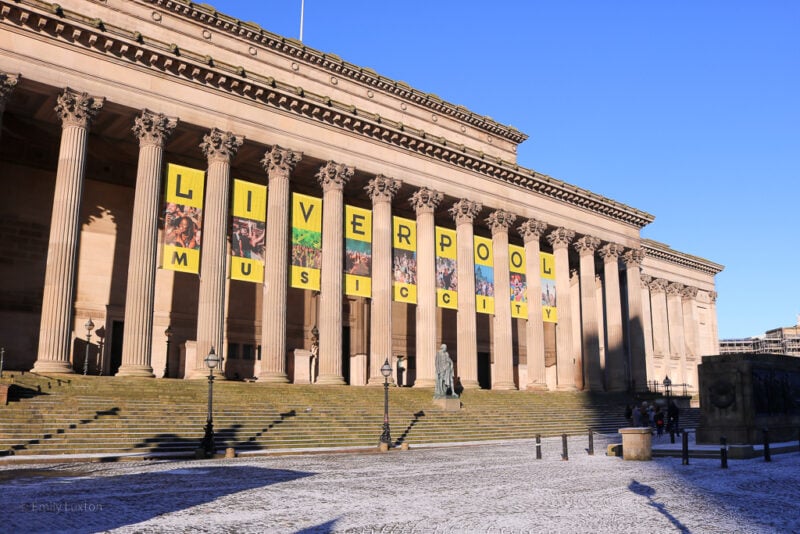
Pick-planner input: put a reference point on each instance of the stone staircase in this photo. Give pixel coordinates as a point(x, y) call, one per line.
point(119, 416)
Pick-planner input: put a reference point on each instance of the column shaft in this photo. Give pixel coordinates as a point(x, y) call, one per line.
point(637, 356)
point(677, 352)
point(660, 327)
point(565, 361)
point(499, 221)
point(590, 343)
point(615, 349)
point(531, 231)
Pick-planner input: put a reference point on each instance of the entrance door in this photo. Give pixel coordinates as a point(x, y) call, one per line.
point(117, 328)
point(484, 370)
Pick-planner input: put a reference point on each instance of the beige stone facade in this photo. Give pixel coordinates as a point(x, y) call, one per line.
point(98, 96)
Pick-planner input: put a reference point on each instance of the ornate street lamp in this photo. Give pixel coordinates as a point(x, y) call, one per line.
point(212, 360)
point(89, 327)
point(386, 371)
point(667, 387)
point(168, 334)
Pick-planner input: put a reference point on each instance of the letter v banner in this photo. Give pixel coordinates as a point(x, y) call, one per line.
point(248, 230)
point(183, 219)
point(306, 241)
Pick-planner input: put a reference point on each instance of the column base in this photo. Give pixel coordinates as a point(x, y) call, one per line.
point(200, 374)
point(45, 366)
point(504, 386)
point(330, 380)
point(470, 384)
point(566, 387)
point(273, 378)
point(424, 383)
point(142, 371)
point(377, 381)
point(533, 386)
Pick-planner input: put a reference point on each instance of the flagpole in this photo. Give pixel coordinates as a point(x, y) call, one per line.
point(302, 9)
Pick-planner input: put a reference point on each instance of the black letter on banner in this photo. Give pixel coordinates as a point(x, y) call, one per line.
point(304, 277)
point(357, 223)
point(178, 193)
point(245, 268)
point(547, 311)
point(404, 292)
point(401, 234)
point(306, 214)
point(483, 303)
point(516, 259)
point(445, 242)
point(518, 307)
point(446, 298)
point(180, 258)
point(482, 255)
point(545, 270)
point(357, 282)
point(249, 201)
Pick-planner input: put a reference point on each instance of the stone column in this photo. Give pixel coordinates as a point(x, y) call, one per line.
point(152, 130)
point(531, 231)
point(560, 240)
point(712, 298)
point(658, 300)
point(586, 247)
point(690, 333)
point(76, 111)
point(332, 177)
point(636, 347)
point(503, 377)
point(424, 203)
point(647, 323)
point(381, 190)
point(279, 164)
point(219, 148)
point(615, 347)
point(675, 321)
point(464, 213)
point(7, 84)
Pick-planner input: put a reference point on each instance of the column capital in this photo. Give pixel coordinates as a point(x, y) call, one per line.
point(675, 288)
point(689, 292)
point(560, 237)
point(645, 279)
point(425, 200)
point(77, 109)
point(382, 188)
point(153, 128)
point(500, 221)
point(532, 230)
point(610, 252)
point(7, 84)
point(334, 175)
point(712, 296)
point(586, 245)
point(220, 146)
point(464, 211)
point(658, 285)
point(633, 257)
point(280, 162)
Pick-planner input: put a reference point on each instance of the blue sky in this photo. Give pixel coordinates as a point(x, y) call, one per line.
point(686, 109)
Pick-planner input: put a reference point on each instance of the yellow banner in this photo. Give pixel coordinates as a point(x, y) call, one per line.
point(357, 251)
point(519, 285)
point(247, 270)
point(446, 269)
point(548, 275)
point(248, 230)
point(484, 275)
point(306, 241)
point(249, 201)
point(404, 256)
point(183, 218)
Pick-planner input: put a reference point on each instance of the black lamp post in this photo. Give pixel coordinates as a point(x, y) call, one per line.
point(386, 371)
point(168, 334)
point(89, 327)
point(667, 387)
point(212, 360)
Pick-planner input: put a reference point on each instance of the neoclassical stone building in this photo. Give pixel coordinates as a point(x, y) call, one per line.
point(187, 181)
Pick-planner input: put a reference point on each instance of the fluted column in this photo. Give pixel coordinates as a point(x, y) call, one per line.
point(152, 130)
point(586, 247)
point(677, 353)
point(712, 298)
point(689, 305)
point(219, 148)
point(424, 203)
point(615, 349)
point(503, 377)
point(647, 323)
point(636, 345)
point(565, 364)
point(658, 299)
point(332, 177)
point(464, 213)
point(76, 111)
point(279, 164)
point(531, 232)
point(381, 190)
point(7, 84)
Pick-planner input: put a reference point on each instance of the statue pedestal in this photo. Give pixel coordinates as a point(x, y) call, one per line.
point(448, 404)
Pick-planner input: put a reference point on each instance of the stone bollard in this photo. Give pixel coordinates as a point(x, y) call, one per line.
point(404, 446)
point(384, 447)
point(230, 452)
point(637, 443)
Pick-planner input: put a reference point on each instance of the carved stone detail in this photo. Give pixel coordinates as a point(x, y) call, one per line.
point(280, 162)
point(7, 84)
point(334, 175)
point(586, 245)
point(500, 221)
point(532, 230)
point(658, 285)
point(465, 211)
point(382, 188)
point(610, 252)
point(646, 279)
point(153, 128)
point(633, 257)
point(77, 109)
point(689, 292)
point(220, 146)
point(712, 296)
point(425, 200)
point(560, 237)
point(675, 288)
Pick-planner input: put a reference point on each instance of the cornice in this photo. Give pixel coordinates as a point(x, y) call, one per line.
point(120, 44)
point(654, 249)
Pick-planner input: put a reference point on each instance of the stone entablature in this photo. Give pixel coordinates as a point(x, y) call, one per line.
point(654, 249)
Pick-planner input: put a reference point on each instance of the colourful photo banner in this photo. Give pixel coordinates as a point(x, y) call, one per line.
point(446, 271)
point(519, 284)
point(183, 219)
point(357, 252)
point(248, 216)
point(404, 260)
point(484, 275)
point(306, 241)
point(548, 274)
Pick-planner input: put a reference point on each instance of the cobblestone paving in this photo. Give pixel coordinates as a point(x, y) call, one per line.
point(494, 488)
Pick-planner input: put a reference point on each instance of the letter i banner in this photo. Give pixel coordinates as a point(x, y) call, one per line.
point(183, 219)
point(306, 242)
point(357, 252)
point(548, 274)
point(484, 275)
point(248, 229)
point(446, 271)
point(404, 260)
point(519, 284)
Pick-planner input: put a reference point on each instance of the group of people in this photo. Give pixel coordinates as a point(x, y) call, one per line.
point(651, 415)
point(182, 226)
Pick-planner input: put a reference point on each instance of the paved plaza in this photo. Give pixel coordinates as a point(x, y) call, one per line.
point(498, 487)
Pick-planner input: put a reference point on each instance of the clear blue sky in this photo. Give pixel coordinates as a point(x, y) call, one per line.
point(686, 109)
